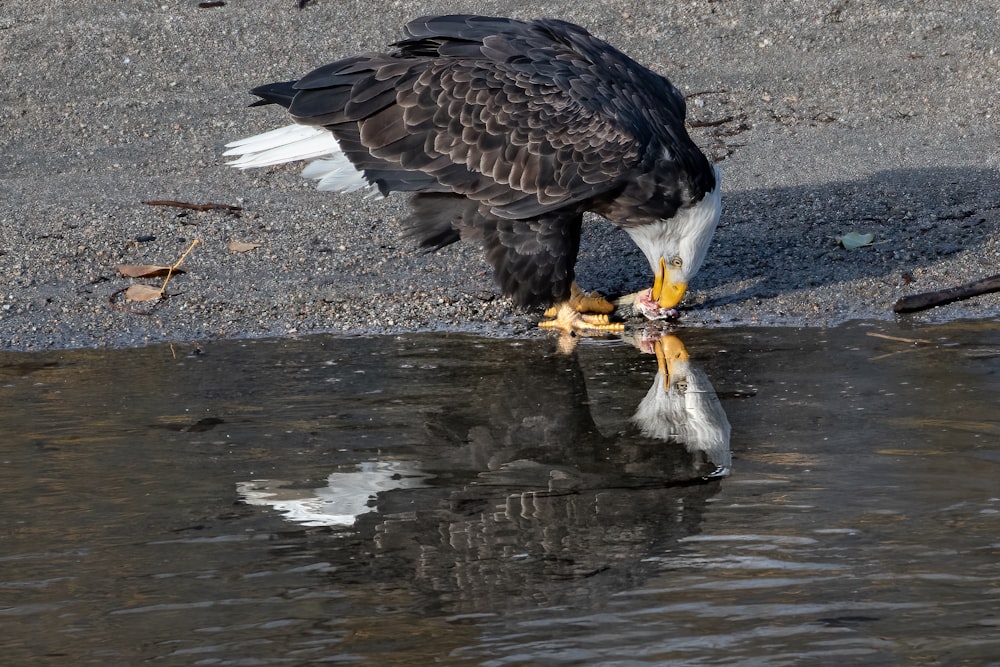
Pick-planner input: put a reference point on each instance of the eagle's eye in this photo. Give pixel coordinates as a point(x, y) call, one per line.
point(677, 262)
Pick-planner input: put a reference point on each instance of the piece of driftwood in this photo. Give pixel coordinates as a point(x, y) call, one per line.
point(710, 123)
point(925, 300)
point(228, 208)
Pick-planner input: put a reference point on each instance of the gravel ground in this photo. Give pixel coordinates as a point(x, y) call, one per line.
point(826, 117)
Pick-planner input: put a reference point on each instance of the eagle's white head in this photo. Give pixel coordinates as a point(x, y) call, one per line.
point(676, 247)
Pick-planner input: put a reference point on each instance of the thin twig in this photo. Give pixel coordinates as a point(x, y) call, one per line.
point(176, 264)
point(899, 339)
point(892, 354)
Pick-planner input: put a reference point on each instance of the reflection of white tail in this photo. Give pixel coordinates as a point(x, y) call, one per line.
point(346, 496)
point(688, 412)
point(293, 143)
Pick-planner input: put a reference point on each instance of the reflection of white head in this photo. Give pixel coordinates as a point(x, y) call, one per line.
point(346, 496)
point(684, 408)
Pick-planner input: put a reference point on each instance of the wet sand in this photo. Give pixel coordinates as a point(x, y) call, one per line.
point(825, 119)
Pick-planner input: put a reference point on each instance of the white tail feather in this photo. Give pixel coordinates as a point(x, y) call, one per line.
point(335, 174)
point(278, 137)
point(287, 144)
point(300, 142)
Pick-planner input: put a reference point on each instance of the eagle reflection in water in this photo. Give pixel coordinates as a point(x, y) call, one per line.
point(571, 436)
point(518, 493)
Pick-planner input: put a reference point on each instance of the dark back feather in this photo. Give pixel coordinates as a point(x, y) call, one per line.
point(525, 118)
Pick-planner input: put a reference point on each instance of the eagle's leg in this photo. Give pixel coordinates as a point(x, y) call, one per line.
point(585, 302)
point(589, 302)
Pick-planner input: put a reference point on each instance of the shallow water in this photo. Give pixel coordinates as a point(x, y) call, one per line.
point(783, 497)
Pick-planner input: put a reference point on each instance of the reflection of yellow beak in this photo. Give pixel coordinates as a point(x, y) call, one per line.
point(673, 349)
point(666, 293)
point(669, 350)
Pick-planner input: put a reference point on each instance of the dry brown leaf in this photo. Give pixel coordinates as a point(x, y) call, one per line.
point(143, 293)
point(240, 246)
point(144, 270)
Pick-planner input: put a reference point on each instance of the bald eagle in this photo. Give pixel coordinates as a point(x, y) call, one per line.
point(507, 132)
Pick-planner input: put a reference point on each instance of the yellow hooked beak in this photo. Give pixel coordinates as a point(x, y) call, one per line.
point(667, 293)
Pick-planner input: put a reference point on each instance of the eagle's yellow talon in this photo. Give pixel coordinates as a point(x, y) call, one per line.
point(594, 319)
point(583, 312)
point(566, 318)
